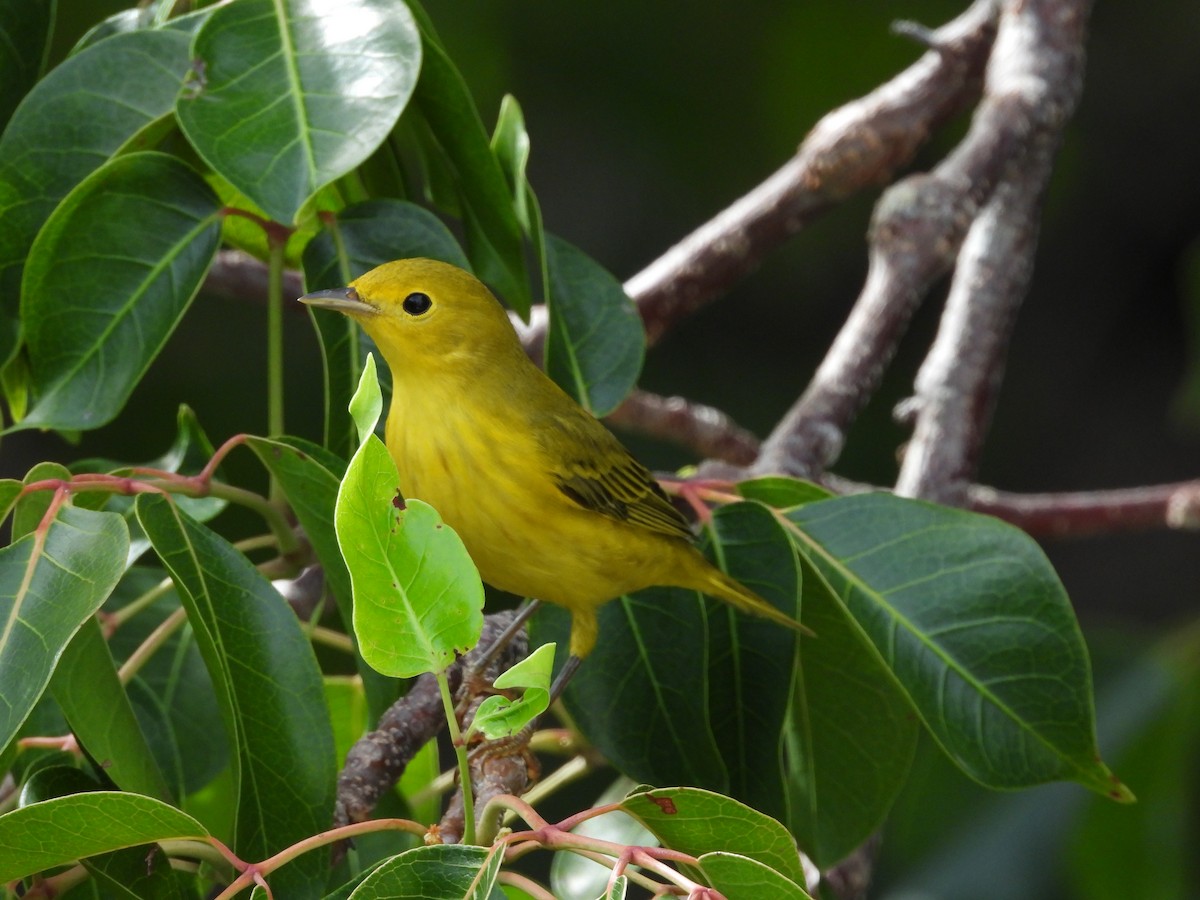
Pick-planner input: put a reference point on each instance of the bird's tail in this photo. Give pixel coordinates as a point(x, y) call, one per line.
point(718, 584)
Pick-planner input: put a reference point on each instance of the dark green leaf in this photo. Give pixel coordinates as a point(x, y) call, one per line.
point(438, 872)
point(310, 477)
point(292, 95)
point(738, 877)
point(51, 581)
point(751, 660)
point(780, 492)
point(87, 689)
point(698, 822)
point(108, 94)
point(362, 237)
point(596, 341)
point(493, 233)
point(187, 455)
point(973, 621)
point(38, 837)
point(369, 234)
point(52, 781)
point(636, 697)
point(140, 873)
point(25, 34)
point(851, 734)
point(108, 279)
point(269, 687)
point(172, 687)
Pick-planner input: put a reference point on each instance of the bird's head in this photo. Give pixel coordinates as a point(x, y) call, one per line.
point(422, 313)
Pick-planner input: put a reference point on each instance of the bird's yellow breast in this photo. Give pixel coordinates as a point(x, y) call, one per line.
point(486, 477)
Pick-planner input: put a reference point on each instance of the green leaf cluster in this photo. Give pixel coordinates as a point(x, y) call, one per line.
point(208, 716)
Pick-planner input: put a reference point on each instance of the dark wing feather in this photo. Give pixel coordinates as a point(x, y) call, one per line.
point(599, 474)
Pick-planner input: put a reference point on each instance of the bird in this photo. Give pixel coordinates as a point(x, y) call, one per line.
point(548, 502)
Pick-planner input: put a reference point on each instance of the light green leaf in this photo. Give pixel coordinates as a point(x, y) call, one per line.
point(293, 94)
point(499, 716)
point(698, 822)
point(367, 403)
point(51, 581)
point(970, 616)
point(418, 599)
point(108, 279)
point(738, 877)
point(573, 875)
point(269, 687)
point(55, 832)
point(110, 95)
point(596, 342)
point(435, 872)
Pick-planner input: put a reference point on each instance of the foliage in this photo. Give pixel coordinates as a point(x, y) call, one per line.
point(339, 136)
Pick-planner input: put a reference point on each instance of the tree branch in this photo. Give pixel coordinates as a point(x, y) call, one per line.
point(1077, 514)
point(917, 230)
point(703, 430)
point(1034, 80)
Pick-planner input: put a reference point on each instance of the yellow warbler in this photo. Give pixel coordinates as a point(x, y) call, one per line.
point(549, 504)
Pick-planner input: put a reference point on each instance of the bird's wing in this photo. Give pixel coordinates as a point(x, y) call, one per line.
point(599, 474)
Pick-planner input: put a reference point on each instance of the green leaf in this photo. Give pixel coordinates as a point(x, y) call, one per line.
point(360, 238)
point(738, 877)
point(86, 688)
point(780, 492)
point(51, 581)
point(511, 146)
point(25, 27)
point(499, 716)
point(635, 697)
point(448, 871)
point(698, 822)
point(970, 616)
point(366, 235)
point(188, 454)
point(751, 660)
point(596, 342)
point(171, 691)
point(851, 733)
point(108, 94)
point(460, 142)
point(366, 405)
point(310, 477)
point(293, 94)
point(269, 687)
point(418, 599)
point(56, 832)
point(108, 279)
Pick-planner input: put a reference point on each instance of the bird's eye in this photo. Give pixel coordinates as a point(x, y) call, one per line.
point(417, 303)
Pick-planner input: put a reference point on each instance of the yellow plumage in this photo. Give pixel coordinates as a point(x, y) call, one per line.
point(549, 504)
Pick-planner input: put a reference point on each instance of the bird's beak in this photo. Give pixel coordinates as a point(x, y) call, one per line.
point(343, 300)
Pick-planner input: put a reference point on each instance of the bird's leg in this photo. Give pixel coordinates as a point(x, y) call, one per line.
point(564, 676)
point(470, 686)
